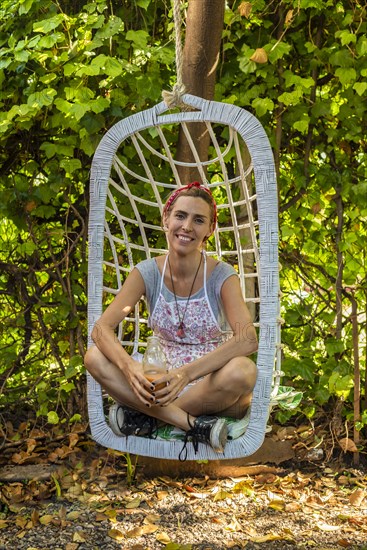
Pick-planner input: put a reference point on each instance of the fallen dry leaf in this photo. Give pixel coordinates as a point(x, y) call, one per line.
point(265, 478)
point(142, 530)
point(21, 522)
point(31, 445)
point(35, 517)
point(152, 518)
point(326, 527)
point(111, 514)
point(348, 445)
point(234, 526)
point(270, 537)
point(199, 495)
point(162, 495)
point(46, 519)
point(357, 497)
point(135, 503)
point(73, 439)
point(115, 534)
point(74, 514)
point(100, 517)
point(78, 536)
point(163, 538)
point(221, 495)
point(277, 504)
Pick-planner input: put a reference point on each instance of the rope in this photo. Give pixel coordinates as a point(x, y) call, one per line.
point(174, 98)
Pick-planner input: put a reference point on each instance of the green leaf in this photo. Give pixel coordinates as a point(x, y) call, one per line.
point(143, 4)
point(112, 67)
point(49, 41)
point(79, 110)
point(82, 94)
point(346, 76)
point(21, 56)
point(262, 106)
point(67, 386)
point(63, 105)
point(139, 38)
point(70, 165)
point(52, 149)
point(53, 417)
point(296, 80)
point(75, 418)
point(304, 4)
point(113, 26)
point(44, 211)
point(41, 99)
point(334, 346)
point(277, 50)
point(361, 47)
point(100, 104)
point(360, 87)
point(27, 248)
point(290, 98)
point(346, 37)
point(25, 6)
point(302, 125)
point(47, 25)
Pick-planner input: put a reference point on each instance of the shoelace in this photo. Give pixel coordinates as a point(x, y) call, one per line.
point(153, 424)
point(153, 428)
point(194, 439)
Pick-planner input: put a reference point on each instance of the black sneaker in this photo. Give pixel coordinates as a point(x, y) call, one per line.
point(207, 429)
point(126, 421)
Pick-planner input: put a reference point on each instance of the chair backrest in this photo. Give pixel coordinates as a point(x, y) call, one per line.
point(135, 168)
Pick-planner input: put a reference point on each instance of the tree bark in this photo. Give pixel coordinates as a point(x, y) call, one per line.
point(204, 25)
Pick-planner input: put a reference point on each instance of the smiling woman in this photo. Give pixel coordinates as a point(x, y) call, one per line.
point(204, 327)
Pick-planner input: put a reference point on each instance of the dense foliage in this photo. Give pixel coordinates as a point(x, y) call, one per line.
point(69, 70)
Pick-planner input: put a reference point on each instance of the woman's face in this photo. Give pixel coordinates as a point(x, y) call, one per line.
point(188, 223)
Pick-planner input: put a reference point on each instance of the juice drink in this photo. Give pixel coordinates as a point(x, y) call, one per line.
point(154, 374)
point(154, 361)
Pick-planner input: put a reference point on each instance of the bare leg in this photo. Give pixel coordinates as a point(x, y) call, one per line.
point(227, 391)
point(114, 382)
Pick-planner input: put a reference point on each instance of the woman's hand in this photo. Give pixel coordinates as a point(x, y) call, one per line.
point(175, 381)
point(139, 384)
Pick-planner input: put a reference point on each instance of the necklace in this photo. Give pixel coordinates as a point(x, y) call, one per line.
point(181, 326)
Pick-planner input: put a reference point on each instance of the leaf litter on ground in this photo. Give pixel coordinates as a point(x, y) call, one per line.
point(87, 501)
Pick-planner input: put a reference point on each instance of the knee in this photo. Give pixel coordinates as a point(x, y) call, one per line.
point(92, 361)
point(239, 375)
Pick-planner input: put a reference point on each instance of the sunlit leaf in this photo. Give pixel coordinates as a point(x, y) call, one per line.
point(163, 538)
point(115, 534)
point(46, 519)
point(135, 503)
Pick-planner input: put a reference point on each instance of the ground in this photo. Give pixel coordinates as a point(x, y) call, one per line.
point(60, 490)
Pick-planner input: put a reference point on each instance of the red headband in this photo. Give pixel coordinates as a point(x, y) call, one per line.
point(196, 184)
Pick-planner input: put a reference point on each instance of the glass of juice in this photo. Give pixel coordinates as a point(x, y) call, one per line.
point(154, 361)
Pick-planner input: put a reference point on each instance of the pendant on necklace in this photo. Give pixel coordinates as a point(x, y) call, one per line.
point(180, 331)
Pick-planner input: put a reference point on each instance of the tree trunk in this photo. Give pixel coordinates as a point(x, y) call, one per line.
point(204, 25)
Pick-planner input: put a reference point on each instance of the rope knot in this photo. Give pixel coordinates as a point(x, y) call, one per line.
point(174, 98)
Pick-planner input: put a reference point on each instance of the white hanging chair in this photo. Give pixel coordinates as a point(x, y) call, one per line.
point(133, 171)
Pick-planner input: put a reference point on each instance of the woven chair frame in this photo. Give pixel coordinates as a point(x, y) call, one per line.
point(133, 171)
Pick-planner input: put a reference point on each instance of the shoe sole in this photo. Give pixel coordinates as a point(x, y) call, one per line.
point(116, 413)
point(218, 435)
